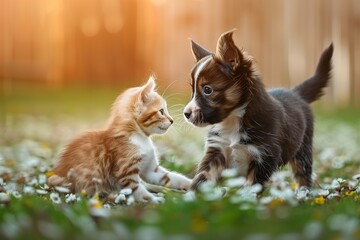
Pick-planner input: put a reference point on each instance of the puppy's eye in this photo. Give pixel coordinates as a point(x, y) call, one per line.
point(161, 111)
point(207, 90)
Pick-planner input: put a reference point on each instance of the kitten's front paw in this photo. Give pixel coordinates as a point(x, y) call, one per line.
point(157, 199)
point(184, 183)
point(150, 198)
point(147, 197)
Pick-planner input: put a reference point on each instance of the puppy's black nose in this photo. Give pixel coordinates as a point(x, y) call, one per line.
point(187, 114)
point(171, 121)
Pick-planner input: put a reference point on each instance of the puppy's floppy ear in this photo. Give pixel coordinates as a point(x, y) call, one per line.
point(147, 89)
point(198, 51)
point(227, 51)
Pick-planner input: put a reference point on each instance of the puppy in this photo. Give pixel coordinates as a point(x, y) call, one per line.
point(251, 129)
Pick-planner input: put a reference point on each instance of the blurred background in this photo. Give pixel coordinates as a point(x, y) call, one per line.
point(118, 43)
point(63, 62)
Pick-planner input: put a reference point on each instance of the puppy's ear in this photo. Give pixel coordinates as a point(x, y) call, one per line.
point(147, 89)
point(227, 51)
point(198, 51)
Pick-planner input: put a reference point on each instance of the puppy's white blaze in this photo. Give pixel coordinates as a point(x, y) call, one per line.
point(192, 106)
point(255, 152)
point(201, 67)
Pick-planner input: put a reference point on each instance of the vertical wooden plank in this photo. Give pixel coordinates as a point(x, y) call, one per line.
point(7, 22)
point(341, 59)
point(355, 51)
point(55, 42)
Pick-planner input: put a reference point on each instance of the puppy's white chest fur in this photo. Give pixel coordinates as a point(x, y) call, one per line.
point(230, 129)
point(229, 138)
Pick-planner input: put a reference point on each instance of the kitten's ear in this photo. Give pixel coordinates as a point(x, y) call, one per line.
point(147, 89)
point(198, 51)
point(227, 51)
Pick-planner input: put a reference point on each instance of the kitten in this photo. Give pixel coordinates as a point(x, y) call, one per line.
point(253, 130)
point(123, 153)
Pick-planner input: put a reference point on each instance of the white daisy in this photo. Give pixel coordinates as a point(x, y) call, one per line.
point(235, 182)
point(4, 198)
point(356, 177)
point(42, 179)
point(126, 191)
point(71, 198)
point(189, 196)
point(16, 194)
point(120, 198)
point(97, 209)
point(28, 190)
point(55, 198)
point(41, 192)
point(61, 189)
point(229, 173)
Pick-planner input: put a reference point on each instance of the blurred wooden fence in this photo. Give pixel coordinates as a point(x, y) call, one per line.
point(123, 41)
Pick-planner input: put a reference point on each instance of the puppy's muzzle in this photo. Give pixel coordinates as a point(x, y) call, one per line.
point(187, 115)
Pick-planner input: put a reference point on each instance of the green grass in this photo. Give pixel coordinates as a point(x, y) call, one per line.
point(77, 101)
point(192, 220)
point(37, 123)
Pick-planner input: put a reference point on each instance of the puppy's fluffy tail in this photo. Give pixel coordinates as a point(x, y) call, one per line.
point(312, 89)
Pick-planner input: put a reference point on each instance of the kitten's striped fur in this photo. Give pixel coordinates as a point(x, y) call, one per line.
point(123, 153)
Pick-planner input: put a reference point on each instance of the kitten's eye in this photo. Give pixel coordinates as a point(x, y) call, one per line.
point(207, 90)
point(161, 111)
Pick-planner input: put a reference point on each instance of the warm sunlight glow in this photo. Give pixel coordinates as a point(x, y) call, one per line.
point(113, 19)
point(124, 41)
point(90, 26)
point(158, 2)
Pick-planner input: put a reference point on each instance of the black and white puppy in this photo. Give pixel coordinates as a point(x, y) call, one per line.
point(253, 130)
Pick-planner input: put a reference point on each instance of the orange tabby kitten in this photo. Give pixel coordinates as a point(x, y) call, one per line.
point(123, 153)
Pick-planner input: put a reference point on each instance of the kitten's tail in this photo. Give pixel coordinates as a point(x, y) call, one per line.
point(312, 89)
